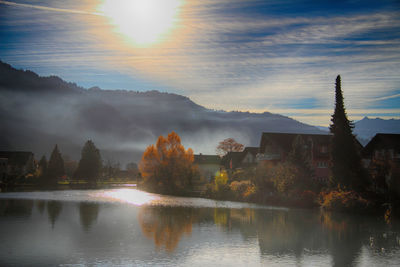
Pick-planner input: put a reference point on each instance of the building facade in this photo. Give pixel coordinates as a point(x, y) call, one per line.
point(275, 147)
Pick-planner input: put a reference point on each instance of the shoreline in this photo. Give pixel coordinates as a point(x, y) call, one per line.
point(278, 202)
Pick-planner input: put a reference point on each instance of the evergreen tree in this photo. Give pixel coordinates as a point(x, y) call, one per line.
point(346, 160)
point(43, 165)
point(90, 165)
point(55, 167)
point(42, 169)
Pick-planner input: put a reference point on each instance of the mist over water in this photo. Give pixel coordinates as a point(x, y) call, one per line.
point(37, 113)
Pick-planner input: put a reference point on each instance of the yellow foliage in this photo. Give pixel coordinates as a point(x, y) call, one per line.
point(166, 226)
point(221, 178)
point(167, 164)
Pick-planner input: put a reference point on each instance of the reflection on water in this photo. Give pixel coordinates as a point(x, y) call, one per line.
point(134, 197)
point(129, 227)
point(53, 211)
point(16, 208)
point(88, 212)
point(40, 204)
point(166, 225)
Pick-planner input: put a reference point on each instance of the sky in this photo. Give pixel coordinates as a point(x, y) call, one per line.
point(278, 56)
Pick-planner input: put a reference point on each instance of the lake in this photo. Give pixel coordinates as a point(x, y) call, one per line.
point(125, 227)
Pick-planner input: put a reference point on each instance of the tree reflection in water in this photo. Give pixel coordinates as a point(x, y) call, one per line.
point(54, 209)
point(88, 212)
point(293, 232)
point(40, 205)
point(16, 208)
point(166, 225)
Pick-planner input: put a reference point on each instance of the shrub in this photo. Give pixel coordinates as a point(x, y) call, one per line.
point(221, 179)
point(242, 190)
point(343, 201)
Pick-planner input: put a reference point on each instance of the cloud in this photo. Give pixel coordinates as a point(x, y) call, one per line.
point(224, 58)
point(53, 9)
point(387, 97)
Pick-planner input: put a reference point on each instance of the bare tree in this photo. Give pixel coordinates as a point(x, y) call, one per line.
point(228, 145)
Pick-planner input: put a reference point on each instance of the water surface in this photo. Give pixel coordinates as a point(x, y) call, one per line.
point(124, 227)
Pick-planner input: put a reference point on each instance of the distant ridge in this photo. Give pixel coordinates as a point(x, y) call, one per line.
point(38, 112)
point(367, 128)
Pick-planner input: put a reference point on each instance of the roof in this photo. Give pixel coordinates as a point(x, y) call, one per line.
point(383, 141)
point(251, 150)
point(16, 157)
point(207, 159)
point(285, 140)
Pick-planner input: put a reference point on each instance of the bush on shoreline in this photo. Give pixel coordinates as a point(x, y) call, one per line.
point(338, 200)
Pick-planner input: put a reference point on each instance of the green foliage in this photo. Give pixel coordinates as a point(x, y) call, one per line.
point(55, 168)
point(90, 164)
point(347, 169)
point(285, 176)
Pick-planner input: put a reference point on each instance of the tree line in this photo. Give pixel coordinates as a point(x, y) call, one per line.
point(90, 168)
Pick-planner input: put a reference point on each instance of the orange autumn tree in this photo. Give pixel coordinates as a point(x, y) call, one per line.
point(167, 166)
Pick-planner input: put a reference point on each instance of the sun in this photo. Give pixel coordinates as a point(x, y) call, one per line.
point(142, 22)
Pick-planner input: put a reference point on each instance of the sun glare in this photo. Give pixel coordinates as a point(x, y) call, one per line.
point(130, 196)
point(143, 22)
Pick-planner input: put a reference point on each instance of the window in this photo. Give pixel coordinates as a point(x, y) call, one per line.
point(322, 164)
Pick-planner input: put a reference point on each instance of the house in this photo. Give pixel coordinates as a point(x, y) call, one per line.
point(249, 156)
point(243, 159)
point(381, 156)
point(208, 165)
point(383, 146)
point(275, 147)
point(14, 164)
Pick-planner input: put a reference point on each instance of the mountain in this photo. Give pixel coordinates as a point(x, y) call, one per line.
point(38, 112)
point(367, 128)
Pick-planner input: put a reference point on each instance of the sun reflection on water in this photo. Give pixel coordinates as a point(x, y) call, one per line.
point(131, 196)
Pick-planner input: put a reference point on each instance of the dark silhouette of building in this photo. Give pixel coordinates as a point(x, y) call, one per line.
point(15, 164)
point(275, 147)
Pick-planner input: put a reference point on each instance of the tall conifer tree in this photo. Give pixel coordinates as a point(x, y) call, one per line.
point(43, 165)
point(90, 164)
point(55, 167)
point(42, 168)
point(346, 160)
